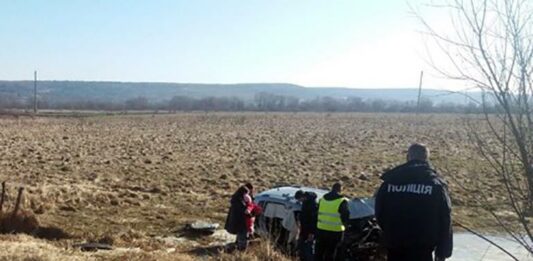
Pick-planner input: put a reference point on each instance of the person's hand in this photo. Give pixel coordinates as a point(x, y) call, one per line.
point(440, 258)
point(310, 237)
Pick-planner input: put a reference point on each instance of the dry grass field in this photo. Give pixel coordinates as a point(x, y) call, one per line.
point(131, 179)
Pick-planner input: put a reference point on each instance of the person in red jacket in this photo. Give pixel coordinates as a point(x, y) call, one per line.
point(252, 210)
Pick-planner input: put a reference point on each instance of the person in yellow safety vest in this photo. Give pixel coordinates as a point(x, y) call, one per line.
point(333, 215)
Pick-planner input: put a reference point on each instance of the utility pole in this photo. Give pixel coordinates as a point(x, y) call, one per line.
point(35, 92)
point(419, 92)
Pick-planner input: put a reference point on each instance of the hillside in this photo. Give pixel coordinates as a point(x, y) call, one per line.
point(61, 91)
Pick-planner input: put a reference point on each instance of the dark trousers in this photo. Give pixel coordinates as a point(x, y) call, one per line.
point(242, 240)
point(306, 249)
point(410, 254)
point(327, 244)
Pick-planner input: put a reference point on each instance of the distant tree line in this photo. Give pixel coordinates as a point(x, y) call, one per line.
point(261, 102)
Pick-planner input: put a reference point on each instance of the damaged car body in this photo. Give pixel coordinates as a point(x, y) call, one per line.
point(361, 238)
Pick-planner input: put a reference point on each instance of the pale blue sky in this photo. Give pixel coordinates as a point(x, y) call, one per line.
point(351, 43)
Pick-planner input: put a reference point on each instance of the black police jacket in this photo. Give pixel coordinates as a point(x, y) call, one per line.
point(414, 210)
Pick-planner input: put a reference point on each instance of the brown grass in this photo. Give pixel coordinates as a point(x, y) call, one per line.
point(21, 222)
point(263, 251)
point(23, 247)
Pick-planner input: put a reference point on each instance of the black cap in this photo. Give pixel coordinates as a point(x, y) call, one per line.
point(337, 187)
point(299, 194)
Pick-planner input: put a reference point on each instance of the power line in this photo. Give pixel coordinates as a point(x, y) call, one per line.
point(419, 92)
point(35, 92)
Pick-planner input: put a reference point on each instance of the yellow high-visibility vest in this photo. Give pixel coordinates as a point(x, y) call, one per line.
point(329, 218)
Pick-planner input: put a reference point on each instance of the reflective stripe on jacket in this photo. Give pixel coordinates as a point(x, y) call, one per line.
point(329, 218)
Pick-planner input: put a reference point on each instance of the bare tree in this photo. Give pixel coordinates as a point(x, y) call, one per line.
point(138, 103)
point(491, 48)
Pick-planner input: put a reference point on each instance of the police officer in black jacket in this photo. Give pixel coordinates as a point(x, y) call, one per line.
point(413, 209)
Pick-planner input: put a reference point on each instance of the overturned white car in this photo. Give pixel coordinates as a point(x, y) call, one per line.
point(361, 240)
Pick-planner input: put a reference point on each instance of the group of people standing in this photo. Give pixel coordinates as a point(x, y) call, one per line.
point(412, 207)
